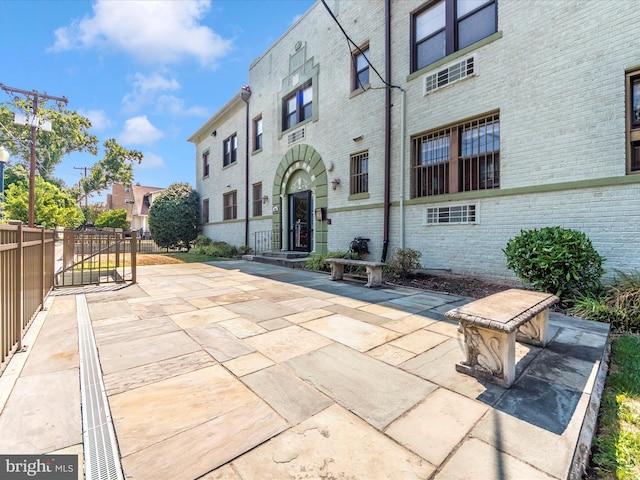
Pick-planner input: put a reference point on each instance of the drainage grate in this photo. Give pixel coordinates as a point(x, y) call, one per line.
point(100, 449)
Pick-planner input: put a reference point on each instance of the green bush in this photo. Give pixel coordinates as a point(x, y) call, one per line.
point(203, 240)
point(216, 249)
point(244, 249)
point(556, 260)
point(317, 262)
point(403, 262)
point(112, 218)
point(174, 216)
point(618, 305)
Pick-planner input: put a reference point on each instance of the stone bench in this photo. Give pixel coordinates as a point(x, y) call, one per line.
point(491, 326)
point(373, 269)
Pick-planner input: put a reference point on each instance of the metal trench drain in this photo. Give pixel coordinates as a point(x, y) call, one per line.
point(101, 458)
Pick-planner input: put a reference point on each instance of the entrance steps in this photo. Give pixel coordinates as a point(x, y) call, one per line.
point(281, 258)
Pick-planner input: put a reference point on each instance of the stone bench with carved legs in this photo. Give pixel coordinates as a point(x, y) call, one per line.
point(373, 269)
point(491, 327)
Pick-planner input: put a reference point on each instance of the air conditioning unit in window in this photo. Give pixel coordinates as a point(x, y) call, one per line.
point(449, 75)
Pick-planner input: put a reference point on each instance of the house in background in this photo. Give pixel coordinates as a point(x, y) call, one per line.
point(445, 126)
point(135, 200)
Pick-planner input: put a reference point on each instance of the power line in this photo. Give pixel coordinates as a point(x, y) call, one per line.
point(34, 96)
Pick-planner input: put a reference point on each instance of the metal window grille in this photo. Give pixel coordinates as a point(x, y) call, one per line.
point(479, 160)
point(359, 173)
point(446, 76)
point(456, 214)
point(431, 157)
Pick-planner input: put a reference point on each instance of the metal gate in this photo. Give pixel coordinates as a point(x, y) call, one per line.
point(93, 257)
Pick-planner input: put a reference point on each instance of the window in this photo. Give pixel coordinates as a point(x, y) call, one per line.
point(446, 26)
point(230, 147)
point(205, 164)
point(461, 158)
point(633, 121)
point(359, 173)
point(297, 107)
point(230, 206)
point(257, 134)
point(257, 199)
point(360, 68)
point(205, 210)
point(457, 214)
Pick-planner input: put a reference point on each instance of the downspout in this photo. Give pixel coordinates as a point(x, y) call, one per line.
point(387, 130)
point(245, 93)
point(403, 127)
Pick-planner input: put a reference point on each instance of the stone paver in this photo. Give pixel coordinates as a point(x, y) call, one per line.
point(286, 343)
point(353, 333)
point(247, 364)
point(221, 344)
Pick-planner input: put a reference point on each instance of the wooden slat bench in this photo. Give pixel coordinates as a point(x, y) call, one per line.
point(373, 269)
point(491, 326)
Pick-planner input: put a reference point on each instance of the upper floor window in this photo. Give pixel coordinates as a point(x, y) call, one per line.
point(205, 210)
point(257, 199)
point(446, 26)
point(633, 121)
point(257, 133)
point(359, 177)
point(205, 164)
point(230, 205)
point(360, 68)
point(297, 107)
point(230, 148)
point(461, 158)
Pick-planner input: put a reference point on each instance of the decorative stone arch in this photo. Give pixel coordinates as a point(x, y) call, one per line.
point(302, 163)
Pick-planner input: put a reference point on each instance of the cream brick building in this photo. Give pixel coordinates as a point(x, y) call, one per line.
point(473, 120)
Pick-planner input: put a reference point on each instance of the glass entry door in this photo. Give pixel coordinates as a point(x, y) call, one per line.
point(300, 231)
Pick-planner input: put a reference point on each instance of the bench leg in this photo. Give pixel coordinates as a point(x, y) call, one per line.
point(536, 331)
point(491, 355)
point(337, 271)
point(374, 276)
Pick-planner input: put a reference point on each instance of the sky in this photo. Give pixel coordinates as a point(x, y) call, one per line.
point(148, 73)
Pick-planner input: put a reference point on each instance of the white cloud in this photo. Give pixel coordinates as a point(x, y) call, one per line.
point(151, 160)
point(139, 130)
point(99, 119)
point(175, 106)
point(146, 88)
point(151, 31)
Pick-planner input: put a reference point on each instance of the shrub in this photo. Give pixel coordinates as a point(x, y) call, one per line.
point(203, 240)
point(174, 216)
point(403, 262)
point(556, 260)
point(216, 249)
point(317, 262)
point(112, 218)
point(244, 249)
point(618, 305)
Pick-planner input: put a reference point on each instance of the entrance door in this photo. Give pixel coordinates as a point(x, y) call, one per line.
point(300, 231)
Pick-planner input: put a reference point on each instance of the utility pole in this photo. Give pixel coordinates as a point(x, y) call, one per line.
point(34, 123)
point(86, 197)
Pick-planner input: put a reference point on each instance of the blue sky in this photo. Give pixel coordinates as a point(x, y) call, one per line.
point(148, 73)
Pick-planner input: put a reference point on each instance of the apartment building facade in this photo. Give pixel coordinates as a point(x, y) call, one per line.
point(445, 126)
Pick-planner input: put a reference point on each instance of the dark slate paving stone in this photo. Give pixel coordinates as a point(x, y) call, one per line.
point(567, 321)
point(547, 405)
point(579, 344)
point(561, 369)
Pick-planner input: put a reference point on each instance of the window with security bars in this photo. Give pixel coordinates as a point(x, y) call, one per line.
point(456, 214)
point(230, 205)
point(359, 173)
point(257, 199)
point(633, 121)
point(460, 158)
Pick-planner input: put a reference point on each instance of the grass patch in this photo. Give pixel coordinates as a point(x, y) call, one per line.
point(616, 446)
point(143, 259)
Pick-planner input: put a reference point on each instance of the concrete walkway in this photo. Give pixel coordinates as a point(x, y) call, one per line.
point(240, 370)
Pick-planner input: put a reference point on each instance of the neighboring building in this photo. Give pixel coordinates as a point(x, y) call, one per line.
point(498, 116)
point(135, 200)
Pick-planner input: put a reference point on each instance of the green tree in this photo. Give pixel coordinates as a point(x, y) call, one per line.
point(69, 133)
point(92, 211)
point(53, 207)
point(174, 216)
point(115, 167)
point(113, 218)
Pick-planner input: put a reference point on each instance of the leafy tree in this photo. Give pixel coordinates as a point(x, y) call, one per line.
point(92, 211)
point(115, 167)
point(69, 133)
point(174, 216)
point(113, 218)
point(53, 207)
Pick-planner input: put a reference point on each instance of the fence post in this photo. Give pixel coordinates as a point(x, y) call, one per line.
point(133, 256)
point(42, 266)
point(17, 325)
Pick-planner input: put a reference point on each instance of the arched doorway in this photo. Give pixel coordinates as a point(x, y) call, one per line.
point(299, 189)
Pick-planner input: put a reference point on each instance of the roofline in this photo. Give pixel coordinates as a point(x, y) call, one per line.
point(235, 100)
